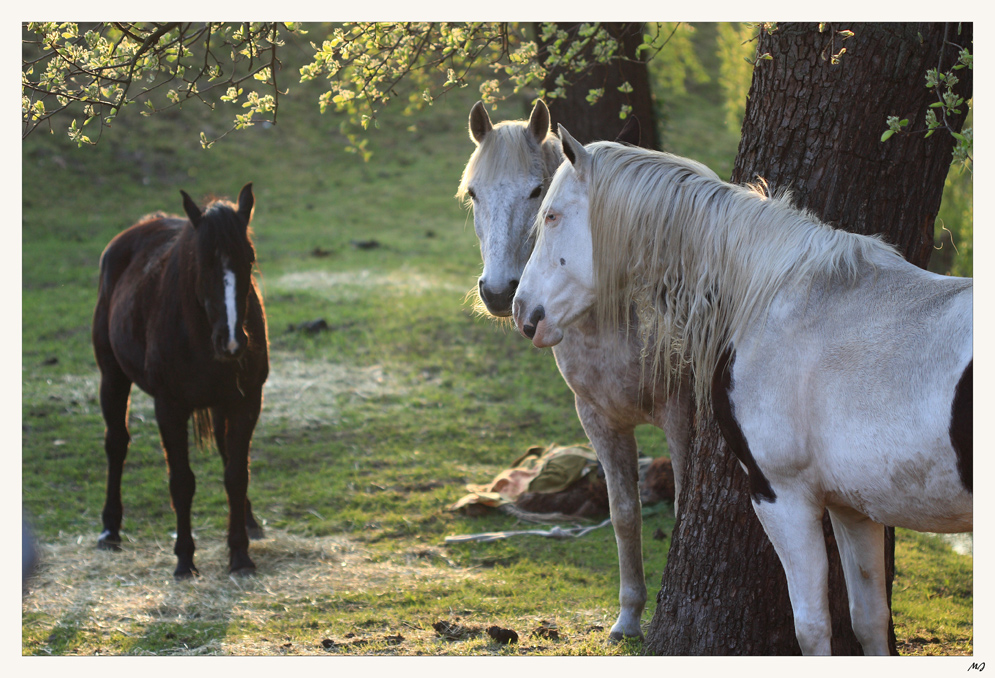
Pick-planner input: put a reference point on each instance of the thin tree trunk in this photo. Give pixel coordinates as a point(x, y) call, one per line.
point(601, 121)
point(814, 127)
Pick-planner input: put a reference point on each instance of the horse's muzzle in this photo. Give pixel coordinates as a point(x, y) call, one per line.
point(498, 303)
point(527, 327)
point(227, 348)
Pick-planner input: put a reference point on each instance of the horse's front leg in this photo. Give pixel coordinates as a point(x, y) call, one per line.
point(677, 425)
point(616, 449)
point(861, 546)
point(794, 525)
point(253, 528)
point(172, 422)
point(239, 424)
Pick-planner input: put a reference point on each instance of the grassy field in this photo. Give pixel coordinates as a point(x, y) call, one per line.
point(369, 430)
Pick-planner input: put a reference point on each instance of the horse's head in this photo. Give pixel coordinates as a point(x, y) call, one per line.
point(225, 257)
point(557, 285)
point(505, 180)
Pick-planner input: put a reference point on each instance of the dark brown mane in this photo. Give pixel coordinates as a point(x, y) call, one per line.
point(221, 230)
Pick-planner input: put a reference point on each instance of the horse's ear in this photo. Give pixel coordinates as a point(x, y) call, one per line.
point(630, 132)
point(246, 201)
point(190, 207)
point(575, 152)
point(480, 122)
point(539, 121)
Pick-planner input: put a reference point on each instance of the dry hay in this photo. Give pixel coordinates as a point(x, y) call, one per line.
point(302, 393)
point(306, 393)
point(109, 594)
point(355, 285)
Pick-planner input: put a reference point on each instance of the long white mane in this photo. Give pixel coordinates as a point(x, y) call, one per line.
point(698, 259)
point(510, 150)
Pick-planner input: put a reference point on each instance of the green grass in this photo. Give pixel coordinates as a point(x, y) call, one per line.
point(932, 597)
point(369, 431)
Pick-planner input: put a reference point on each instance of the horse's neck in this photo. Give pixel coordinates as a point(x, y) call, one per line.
point(605, 369)
point(179, 280)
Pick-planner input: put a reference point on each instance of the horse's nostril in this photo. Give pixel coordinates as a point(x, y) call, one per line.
point(529, 328)
point(537, 315)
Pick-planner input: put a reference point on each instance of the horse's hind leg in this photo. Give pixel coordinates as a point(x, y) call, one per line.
point(618, 456)
point(252, 528)
point(115, 391)
point(172, 422)
point(861, 547)
point(794, 526)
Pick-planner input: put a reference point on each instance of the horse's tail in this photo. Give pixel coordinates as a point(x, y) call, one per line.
point(203, 429)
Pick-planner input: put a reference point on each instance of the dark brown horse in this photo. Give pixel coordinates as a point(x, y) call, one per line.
point(178, 313)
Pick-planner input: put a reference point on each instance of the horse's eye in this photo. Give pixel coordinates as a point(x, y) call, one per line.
point(473, 196)
point(551, 218)
point(536, 192)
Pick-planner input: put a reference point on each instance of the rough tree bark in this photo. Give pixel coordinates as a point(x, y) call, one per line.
point(814, 127)
point(600, 121)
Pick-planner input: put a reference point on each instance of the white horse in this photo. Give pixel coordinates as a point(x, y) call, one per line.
point(839, 373)
point(505, 178)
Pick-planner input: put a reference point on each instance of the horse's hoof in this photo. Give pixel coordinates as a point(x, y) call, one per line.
point(107, 541)
point(255, 533)
point(186, 572)
point(241, 564)
point(618, 637)
point(247, 571)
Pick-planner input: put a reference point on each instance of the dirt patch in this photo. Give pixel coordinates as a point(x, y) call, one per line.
point(454, 630)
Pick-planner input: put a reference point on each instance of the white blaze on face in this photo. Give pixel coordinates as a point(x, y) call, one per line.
point(559, 276)
point(229, 278)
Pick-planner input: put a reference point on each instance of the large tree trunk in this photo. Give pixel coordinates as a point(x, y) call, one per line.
point(814, 127)
point(601, 121)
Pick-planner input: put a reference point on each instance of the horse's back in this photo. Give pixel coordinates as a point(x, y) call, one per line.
point(127, 267)
point(856, 385)
point(137, 246)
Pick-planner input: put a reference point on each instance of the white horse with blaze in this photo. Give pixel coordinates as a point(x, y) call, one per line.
point(839, 373)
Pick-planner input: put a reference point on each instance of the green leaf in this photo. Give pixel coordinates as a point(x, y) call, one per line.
point(887, 134)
